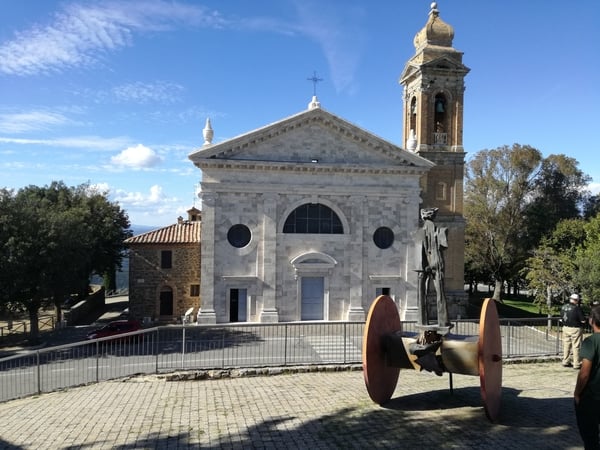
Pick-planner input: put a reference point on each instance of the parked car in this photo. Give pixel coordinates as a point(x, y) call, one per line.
point(115, 328)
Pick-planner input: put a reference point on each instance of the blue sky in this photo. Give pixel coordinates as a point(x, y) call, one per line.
point(117, 93)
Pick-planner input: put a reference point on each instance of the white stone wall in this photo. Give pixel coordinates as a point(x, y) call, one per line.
point(259, 178)
point(264, 266)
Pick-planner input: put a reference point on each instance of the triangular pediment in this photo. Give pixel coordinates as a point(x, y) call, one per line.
point(310, 137)
point(445, 63)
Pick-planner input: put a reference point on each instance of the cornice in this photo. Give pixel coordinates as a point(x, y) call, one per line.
point(316, 168)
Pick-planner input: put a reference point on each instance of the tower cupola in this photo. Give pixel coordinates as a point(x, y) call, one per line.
point(435, 31)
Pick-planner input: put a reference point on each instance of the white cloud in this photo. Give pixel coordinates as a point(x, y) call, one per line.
point(154, 200)
point(153, 207)
point(81, 142)
point(80, 34)
point(594, 188)
point(158, 91)
point(23, 122)
point(138, 199)
point(102, 188)
point(139, 157)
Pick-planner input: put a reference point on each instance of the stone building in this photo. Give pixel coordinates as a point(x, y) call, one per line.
point(311, 217)
point(164, 270)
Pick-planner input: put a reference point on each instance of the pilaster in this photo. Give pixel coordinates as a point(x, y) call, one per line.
point(207, 314)
point(356, 311)
point(268, 259)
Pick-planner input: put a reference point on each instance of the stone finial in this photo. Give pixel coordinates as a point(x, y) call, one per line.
point(314, 103)
point(208, 132)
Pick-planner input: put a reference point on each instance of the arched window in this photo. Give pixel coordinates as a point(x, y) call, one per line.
point(313, 218)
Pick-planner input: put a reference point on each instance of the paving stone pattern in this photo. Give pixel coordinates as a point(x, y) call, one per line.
point(315, 410)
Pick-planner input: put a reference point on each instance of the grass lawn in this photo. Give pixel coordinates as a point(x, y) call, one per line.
point(511, 307)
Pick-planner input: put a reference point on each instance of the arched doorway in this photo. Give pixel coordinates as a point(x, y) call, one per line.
point(313, 270)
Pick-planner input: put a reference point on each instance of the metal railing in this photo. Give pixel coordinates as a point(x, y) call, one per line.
point(226, 346)
point(440, 138)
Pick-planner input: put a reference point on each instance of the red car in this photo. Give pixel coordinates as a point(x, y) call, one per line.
point(115, 328)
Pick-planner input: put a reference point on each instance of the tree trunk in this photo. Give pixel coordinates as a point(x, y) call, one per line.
point(549, 304)
point(110, 281)
point(58, 296)
point(34, 326)
point(498, 287)
point(58, 311)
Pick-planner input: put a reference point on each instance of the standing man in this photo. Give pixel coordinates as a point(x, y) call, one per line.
point(587, 389)
point(573, 321)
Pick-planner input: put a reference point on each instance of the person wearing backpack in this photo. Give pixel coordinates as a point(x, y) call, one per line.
point(573, 321)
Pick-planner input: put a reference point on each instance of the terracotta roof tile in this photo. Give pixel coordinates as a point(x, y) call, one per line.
point(180, 233)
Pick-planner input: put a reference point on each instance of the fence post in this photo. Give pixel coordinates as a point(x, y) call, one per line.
point(183, 344)
point(345, 343)
point(558, 338)
point(97, 361)
point(285, 344)
point(223, 347)
point(39, 375)
point(156, 347)
point(509, 328)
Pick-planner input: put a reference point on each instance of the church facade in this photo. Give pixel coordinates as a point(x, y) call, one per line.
point(312, 217)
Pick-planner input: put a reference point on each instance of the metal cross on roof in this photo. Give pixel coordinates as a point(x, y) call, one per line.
point(315, 80)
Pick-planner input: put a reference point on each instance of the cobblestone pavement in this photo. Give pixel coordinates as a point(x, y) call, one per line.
point(316, 410)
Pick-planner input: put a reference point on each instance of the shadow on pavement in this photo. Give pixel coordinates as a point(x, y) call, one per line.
point(404, 423)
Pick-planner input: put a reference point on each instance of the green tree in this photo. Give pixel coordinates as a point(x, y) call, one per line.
point(591, 206)
point(559, 192)
point(551, 270)
point(53, 239)
point(24, 253)
point(497, 185)
point(587, 275)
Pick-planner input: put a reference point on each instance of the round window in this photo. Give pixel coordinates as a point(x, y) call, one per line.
point(239, 235)
point(383, 237)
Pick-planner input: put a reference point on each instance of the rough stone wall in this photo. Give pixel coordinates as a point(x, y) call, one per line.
point(147, 278)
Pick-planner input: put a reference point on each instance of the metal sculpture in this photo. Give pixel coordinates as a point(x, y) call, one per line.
point(387, 349)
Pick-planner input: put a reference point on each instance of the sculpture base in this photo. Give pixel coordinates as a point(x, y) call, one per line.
point(269, 316)
point(442, 331)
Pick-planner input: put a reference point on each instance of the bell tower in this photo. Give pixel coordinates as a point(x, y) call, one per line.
point(433, 81)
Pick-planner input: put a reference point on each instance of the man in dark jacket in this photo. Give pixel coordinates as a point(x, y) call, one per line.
point(572, 320)
point(587, 389)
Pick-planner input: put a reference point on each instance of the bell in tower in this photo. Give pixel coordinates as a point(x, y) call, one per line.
point(439, 105)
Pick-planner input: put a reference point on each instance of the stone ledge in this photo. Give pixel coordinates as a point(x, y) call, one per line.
point(217, 374)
